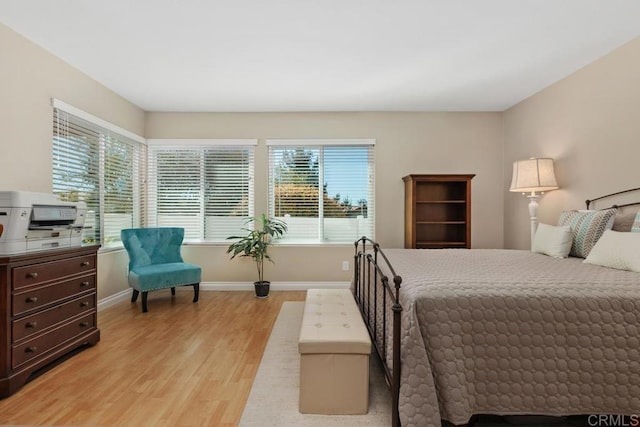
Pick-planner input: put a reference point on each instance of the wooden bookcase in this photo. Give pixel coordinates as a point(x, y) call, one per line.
point(437, 211)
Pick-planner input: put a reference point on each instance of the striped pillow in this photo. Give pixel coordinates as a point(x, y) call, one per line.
point(636, 224)
point(586, 227)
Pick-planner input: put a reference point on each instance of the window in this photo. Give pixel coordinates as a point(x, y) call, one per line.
point(98, 163)
point(322, 189)
point(205, 186)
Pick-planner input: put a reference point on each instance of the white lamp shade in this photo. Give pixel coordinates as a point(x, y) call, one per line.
point(533, 175)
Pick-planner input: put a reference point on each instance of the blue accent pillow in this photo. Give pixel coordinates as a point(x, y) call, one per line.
point(636, 224)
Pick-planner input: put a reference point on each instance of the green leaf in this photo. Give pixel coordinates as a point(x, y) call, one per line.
point(256, 242)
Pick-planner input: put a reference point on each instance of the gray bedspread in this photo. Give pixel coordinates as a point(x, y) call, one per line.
point(511, 332)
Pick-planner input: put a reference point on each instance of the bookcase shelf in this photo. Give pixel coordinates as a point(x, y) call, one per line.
point(437, 211)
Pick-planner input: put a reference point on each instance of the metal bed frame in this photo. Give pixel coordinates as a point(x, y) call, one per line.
point(588, 202)
point(375, 294)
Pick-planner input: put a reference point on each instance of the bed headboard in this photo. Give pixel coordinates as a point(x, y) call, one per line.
point(588, 202)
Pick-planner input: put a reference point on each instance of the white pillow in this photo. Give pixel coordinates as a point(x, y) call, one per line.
point(636, 224)
point(553, 240)
point(617, 250)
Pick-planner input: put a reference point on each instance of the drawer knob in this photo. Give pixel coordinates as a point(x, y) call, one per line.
point(32, 299)
point(31, 325)
point(84, 304)
point(84, 284)
point(84, 263)
point(84, 324)
point(30, 349)
point(32, 275)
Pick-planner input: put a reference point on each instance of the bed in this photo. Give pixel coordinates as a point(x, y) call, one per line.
point(482, 331)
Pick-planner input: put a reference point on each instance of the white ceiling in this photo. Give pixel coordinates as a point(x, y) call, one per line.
point(325, 55)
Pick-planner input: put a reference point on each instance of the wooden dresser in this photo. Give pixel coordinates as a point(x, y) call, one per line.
point(47, 308)
point(437, 211)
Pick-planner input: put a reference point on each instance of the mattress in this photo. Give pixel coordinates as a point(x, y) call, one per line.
point(513, 332)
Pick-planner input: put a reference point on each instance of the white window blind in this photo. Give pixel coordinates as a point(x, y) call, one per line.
point(204, 186)
point(322, 189)
point(101, 167)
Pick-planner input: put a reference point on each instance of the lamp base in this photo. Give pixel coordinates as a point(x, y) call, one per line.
point(533, 214)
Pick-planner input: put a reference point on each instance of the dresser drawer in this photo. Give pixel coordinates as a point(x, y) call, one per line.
point(35, 323)
point(37, 346)
point(40, 297)
point(43, 272)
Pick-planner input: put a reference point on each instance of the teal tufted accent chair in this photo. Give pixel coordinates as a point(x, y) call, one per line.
point(155, 262)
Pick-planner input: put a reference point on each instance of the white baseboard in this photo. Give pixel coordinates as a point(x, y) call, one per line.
point(275, 286)
point(230, 286)
point(113, 299)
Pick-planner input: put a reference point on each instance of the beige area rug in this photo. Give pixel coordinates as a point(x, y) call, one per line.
point(273, 400)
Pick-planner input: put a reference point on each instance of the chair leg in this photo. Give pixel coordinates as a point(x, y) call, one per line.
point(173, 291)
point(134, 295)
point(196, 291)
point(144, 302)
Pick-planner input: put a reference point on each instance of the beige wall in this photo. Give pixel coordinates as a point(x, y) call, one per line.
point(589, 123)
point(405, 143)
point(29, 78)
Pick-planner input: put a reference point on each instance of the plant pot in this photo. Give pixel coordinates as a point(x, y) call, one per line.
point(262, 288)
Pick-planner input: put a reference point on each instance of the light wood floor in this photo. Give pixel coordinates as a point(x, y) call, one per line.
point(180, 364)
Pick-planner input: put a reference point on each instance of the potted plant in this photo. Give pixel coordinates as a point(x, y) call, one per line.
point(255, 245)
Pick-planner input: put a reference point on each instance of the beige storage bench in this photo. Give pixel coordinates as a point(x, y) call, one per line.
point(334, 348)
